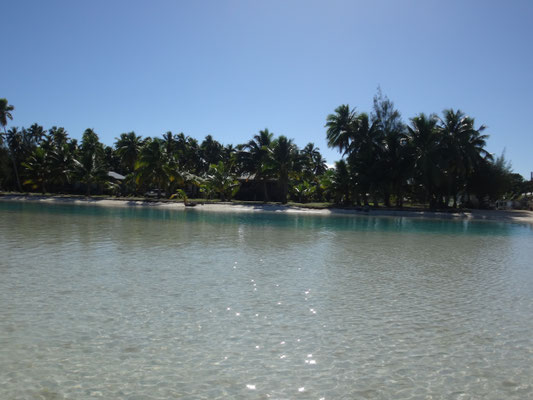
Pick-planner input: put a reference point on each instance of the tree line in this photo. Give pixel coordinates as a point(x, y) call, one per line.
point(438, 161)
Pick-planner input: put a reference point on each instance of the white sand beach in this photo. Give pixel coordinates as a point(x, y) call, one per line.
point(516, 216)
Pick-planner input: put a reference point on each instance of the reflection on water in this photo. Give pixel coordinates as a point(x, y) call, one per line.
point(125, 302)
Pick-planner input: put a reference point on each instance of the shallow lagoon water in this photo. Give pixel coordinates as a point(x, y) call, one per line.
point(146, 303)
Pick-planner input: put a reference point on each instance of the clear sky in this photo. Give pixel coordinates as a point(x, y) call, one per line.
point(231, 68)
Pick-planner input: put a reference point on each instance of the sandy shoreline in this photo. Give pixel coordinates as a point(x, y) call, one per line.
point(516, 216)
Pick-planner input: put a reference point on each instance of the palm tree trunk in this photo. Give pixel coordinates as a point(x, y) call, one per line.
point(16, 172)
point(14, 165)
point(284, 190)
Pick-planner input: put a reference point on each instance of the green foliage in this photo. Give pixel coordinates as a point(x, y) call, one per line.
point(5, 112)
point(155, 167)
point(180, 194)
point(284, 163)
point(303, 192)
point(127, 148)
point(39, 168)
point(221, 180)
point(440, 161)
point(90, 167)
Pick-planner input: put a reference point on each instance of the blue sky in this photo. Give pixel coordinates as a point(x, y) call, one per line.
point(231, 68)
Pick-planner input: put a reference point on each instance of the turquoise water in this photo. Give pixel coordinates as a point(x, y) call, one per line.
point(156, 303)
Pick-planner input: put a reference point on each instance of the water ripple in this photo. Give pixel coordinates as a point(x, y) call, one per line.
point(193, 306)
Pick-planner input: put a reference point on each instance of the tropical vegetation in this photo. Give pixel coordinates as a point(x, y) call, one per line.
point(430, 160)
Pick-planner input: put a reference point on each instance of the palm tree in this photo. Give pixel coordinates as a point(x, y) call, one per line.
point(256, 156)
point(128, 147)
point(465, 148)
point(390, 138)
point(341, 131)
point(62, 163)
point(5, 114)
point(91, 167)
point(359, 140)
point(285, 162)
point(58, 136)
point(15, 144)
point(314, 163)
point(193, 158)
point(426, 144)
point(210, 151)
point(155, 166)
point(169, 142)
point(304, 191)
point(342, 183)
point(221, 180)
point(35, 135)
point(90, 170)
point(38, 166)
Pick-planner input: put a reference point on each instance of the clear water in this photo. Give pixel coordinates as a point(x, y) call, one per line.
point(126, 303)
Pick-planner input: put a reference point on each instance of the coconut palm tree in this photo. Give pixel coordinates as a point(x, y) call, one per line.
point(342, 129)
point(15, 144)
point(342, 183)
point(90, 167)
point(128, 147)
point(465, 148)
point(192, 157)
point(62, 164)
point(38, 167)
point(169, 142)
point(314, 163)
point(211, 152)
point(58, 136)
point(5, 115)
point(155, 166)
point(426, 143)
point(91, 170)
point(285, 162)
point(390, 139)
point(222, 180)
point(255, 158)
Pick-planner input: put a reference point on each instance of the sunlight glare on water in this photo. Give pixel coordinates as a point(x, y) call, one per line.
point(147, 303)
